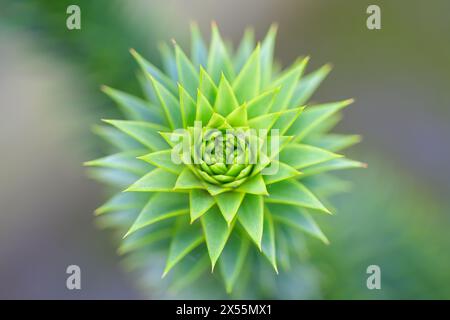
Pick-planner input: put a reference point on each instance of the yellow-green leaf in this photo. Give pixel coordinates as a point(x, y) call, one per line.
point(125, 161)
point(308, 84)
point(169, 103)
point(207, 86)
point(216, 232)
point(281, 172)
point(144, 132)
point(254, 185)
point(204, 109)
point(163, 159)
point(294, 193)
point(232, 260)
point(157, 180)
point(297, 218)
point(161, 206)
point(199, 52)
point(334, 164)
point(267, 50)
point(226, 101)
point(187, 107)
point(268, 240)
point(200, 202)
point(244, 50)
point(228, 203)
point(153, 71)
point(333, 142)
point(187, 180)
point(288, 81)
point(187, 73)
point(251, 216)
point(135, 108)
point(262, 103)
point(247, 83)
point(300, 156)
point(238, 117)
point(218, 58)
point(186, 238)
point(313, 116)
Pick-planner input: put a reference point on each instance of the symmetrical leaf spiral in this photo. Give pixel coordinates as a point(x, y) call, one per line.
point(221, 201)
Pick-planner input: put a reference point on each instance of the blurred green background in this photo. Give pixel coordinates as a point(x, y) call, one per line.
point(396, 216)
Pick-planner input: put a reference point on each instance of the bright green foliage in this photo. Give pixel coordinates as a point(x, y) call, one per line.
point(240, 213)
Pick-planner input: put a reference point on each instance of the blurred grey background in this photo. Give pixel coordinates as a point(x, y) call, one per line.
point(397, 217)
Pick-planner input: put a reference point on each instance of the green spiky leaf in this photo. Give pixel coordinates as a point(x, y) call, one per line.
point(161, 206)
point(251, 216)
point(216, 232)
point(187, 237)
point(232, 260)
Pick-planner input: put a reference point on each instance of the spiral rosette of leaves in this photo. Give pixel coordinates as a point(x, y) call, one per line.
point(224, 159)
point(223, 163)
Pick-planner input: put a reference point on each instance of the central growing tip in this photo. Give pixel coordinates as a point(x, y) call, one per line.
point(225, 157)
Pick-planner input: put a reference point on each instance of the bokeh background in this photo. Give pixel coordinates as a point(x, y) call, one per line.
point(396, 216)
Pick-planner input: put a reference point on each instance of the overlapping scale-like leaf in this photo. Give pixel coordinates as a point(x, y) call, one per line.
point(287, 82)
point(300, 156)
point(144, 132)
point(123, 201)
point(135, 108)
point(186, 238)
point(232, 260)
point(251, 217)
point(309, 84)
point(168, 61)
point(158, 180)
point(124, 161)
point(150, 70)
point(294, 193)
point(268, 240)
point(162, 159)
point(244, 50)
point(248, 81)
point(161, 206)
point(297, 218)
point(314, 116)
point(333, 142)
point(199, 53)
point(188, 107)
point(200, 203)
point(219, 61)
point(262, 103)
point(267, 56)
point(226, 100)
point(229, 203)
point(216, 231)
point(187, 72)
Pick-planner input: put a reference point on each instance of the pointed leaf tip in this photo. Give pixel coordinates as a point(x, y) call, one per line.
point(229, 203)
point(186, 239)
point(251, 217)
point(216, 233)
